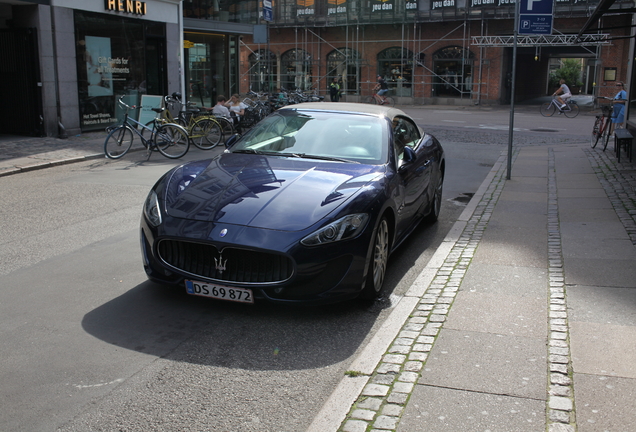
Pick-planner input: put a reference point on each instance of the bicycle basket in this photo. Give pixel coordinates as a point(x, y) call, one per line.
point(606, 109)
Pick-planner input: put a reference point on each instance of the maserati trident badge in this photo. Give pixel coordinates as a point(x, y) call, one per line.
point(219, 264)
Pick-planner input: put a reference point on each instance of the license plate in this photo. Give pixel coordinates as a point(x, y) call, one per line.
point(220, 292)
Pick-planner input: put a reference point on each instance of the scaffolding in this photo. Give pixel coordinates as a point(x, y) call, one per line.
point(426, 77)
point(326, 58)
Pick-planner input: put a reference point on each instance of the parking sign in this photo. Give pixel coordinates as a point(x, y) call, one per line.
point(535, 16)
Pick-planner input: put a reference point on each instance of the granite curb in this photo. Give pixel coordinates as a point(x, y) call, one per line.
point(411, 339)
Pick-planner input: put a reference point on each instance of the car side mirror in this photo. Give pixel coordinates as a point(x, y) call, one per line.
point(231, 140)
point(409, 155)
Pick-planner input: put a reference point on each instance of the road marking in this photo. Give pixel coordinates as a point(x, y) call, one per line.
point(82, 386)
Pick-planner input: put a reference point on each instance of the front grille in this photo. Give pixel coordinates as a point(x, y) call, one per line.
point(241, 265)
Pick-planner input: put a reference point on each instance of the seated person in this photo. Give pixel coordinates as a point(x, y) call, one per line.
point(220, 110)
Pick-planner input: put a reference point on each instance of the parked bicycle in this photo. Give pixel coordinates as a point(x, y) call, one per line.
point(570, 110)
point(171, 140)
point(205, 131)
point(602, 125)
point(376, 99)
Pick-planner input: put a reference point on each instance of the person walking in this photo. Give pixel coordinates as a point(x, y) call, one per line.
point(334, 90)
point(618, 114)
point(562, 94)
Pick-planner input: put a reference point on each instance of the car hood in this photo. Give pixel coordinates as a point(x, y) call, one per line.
point(279, 193)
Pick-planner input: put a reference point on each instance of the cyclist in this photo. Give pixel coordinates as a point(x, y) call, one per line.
point(382, 89)
point(562, 94)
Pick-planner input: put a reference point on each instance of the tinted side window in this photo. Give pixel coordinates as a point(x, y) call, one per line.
point(405, 133)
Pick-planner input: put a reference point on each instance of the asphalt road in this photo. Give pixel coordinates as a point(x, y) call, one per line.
point(90, 344)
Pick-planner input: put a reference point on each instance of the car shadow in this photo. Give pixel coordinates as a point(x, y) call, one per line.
point(165, 322)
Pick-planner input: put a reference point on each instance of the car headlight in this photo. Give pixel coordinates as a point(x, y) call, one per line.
point(151, 209)
point(342, 229)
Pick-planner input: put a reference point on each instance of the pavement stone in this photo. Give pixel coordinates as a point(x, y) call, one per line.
point(489, 379)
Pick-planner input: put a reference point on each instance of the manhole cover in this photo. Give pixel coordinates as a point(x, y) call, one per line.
point(544, 130)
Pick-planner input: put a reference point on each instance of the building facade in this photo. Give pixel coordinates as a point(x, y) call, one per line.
point(66, 62)
point(430, 51)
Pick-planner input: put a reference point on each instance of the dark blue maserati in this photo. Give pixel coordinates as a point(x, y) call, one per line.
point(306, 207)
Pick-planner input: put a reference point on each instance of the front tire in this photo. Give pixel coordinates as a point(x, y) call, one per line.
point(206, 134)
point(118, 142)
point(378, 262)
point(172, 141)
point(547, 109)
point(607, 133)
point(597, 131)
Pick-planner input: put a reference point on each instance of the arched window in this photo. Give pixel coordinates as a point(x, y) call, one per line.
point(295, 70)
point(344, 63)
point(395, 64)
point(263, 71)
point(453, 68)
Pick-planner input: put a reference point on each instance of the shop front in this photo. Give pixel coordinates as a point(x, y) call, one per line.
point(122, 51)
point(91, 52)
point(116, 56)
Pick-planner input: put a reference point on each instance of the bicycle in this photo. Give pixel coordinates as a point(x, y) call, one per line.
point(602, 125)
point(205, 131)
point(376, 99)
point(171, 140)
point(571, 109)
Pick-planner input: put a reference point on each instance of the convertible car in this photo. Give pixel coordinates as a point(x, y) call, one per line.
point(306, 207)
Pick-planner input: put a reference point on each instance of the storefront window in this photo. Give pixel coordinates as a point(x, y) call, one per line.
point(453, 67)
point(396, 66)
point(206, 66)
point(296, 70)
point(111, 62)
point(343, 63)
point(263, 71)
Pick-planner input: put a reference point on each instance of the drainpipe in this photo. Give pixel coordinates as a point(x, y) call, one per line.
point(60, 127)
point(180, 50)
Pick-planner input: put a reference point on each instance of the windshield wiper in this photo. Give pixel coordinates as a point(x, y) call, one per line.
point(250, 151)
point(310, 156)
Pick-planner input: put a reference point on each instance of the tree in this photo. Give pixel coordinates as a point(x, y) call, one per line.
point(570, 71)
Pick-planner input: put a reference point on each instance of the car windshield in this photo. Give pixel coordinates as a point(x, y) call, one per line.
point(319, 135)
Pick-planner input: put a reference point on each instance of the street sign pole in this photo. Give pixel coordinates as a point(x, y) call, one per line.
point(511, 125)
point(531, 17)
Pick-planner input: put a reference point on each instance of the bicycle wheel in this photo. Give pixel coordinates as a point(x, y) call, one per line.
point(206, 133)
point(118, 142)
point(607, 133)
point(227, 127)
point(389, 101)
point(147, 133)
point(370, 100)
point(597, 131)
point(547, 109)
point(573, 111)
point(172, 141)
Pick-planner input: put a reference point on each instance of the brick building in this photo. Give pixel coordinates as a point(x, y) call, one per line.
point(448, 51)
